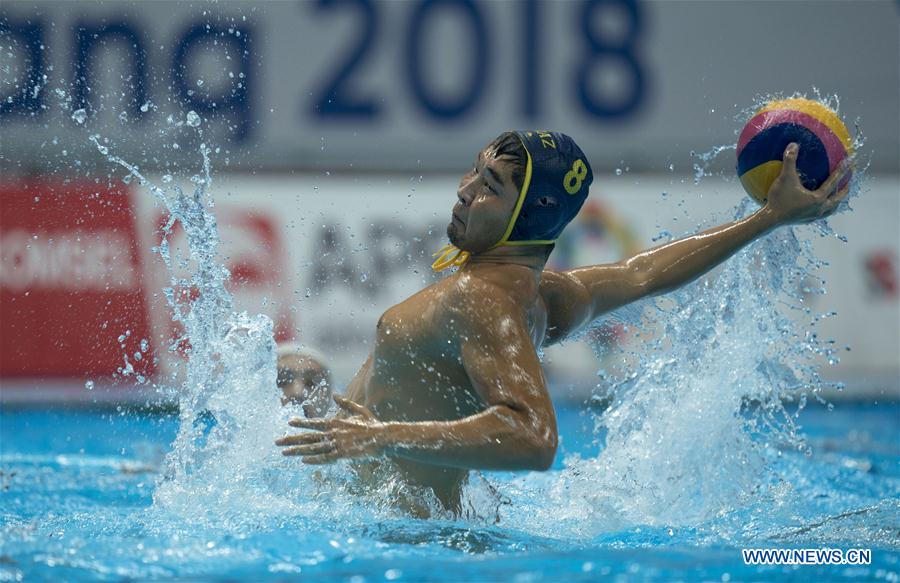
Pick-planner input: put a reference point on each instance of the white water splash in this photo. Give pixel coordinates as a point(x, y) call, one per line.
point(702, 408)
point(224, 474)
point(693, 424)
point(229, 408)
point(704, 160)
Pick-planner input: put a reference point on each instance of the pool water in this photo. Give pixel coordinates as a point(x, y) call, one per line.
point(78, 503)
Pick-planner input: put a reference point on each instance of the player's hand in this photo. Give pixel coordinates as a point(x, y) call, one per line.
point(792, 203)
point(361, 435)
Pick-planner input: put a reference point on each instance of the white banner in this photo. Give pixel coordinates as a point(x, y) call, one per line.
point(421, 84)
point(346, 249)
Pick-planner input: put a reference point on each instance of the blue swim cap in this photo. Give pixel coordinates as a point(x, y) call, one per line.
point(557, 178)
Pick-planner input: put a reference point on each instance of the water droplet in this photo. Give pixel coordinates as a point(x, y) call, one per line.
point(167, 178)
point(661, 235)
point(79, 115)
point(618, 171)
point(192, 119)
point(89, 385)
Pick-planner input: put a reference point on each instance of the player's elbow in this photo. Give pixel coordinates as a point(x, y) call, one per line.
point(543, 450)
point(532, 438)
point(544, 459)
point(639, 278)
point(639, 275)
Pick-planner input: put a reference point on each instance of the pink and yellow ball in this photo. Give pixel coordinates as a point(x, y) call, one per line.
point(823, 138)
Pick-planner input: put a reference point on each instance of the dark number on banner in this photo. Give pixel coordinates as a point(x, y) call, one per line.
point(340, 95)
point(602, 51)
point(441, 106)
point(336, 98)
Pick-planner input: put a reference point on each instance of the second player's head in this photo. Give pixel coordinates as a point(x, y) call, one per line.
point(303, 379)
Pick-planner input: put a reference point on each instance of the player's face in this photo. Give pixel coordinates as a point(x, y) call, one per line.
point(303, 382)
point(485, 201)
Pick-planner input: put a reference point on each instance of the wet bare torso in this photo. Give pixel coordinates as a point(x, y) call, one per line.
point(415, 372)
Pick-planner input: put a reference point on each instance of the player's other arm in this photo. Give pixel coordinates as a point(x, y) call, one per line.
point(577, 297)
point(516, 430)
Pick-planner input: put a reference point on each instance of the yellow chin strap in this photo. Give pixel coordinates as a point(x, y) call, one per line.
point(449, 256)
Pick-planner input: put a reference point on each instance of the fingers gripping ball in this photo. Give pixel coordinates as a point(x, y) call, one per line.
point(823, 139)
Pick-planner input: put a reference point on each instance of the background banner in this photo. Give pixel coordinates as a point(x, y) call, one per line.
point(417, 84)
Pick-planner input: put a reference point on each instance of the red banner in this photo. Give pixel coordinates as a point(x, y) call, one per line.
point(72, 300)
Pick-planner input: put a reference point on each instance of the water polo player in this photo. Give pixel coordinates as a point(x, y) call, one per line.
point(304, 379)
point(454, 381)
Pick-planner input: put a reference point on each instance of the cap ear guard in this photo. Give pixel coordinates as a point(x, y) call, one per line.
point(523, 194)
point(557, 180)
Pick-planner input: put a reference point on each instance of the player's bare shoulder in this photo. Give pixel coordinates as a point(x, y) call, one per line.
point(429, 314)
point(568, 304)
point(409, 317)
point(471, 297)
point(476, 303)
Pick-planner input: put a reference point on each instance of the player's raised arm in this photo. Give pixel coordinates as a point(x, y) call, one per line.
point(576, 297)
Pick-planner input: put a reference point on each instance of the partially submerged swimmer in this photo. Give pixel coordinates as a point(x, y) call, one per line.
point(454, 382)
point(304, 379)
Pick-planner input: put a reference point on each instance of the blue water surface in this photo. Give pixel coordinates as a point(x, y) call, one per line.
point(77, 503)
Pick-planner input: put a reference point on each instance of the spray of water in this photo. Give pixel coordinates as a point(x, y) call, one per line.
point(229, 411)
point(710, 395)
point(224, 476)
